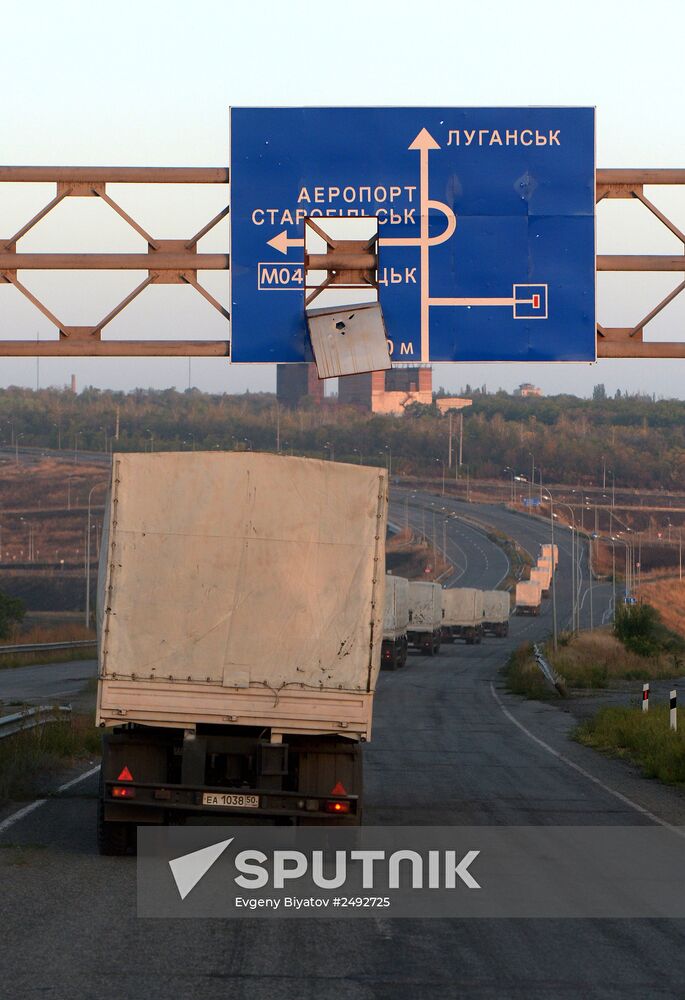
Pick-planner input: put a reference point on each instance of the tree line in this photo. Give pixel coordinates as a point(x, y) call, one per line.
point(634, 441)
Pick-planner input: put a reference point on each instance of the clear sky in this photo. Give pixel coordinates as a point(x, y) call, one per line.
point(150, 83)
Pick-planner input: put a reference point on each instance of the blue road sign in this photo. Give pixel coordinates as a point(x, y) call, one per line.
point(531, 501)
point(486, 217)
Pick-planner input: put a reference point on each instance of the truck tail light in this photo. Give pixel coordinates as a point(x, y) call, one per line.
point(336, 806)
point(123, 792)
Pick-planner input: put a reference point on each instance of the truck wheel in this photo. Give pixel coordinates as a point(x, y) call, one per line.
point(113, 838)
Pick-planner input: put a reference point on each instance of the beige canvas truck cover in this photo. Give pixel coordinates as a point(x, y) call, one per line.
point(548, 550)
point(425, 605)
point(496, 605)
point(241, 588)
point(396, 617)
point(528, 594)
point(541, 575)
point(462, 606)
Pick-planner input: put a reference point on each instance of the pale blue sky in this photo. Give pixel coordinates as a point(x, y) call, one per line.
point(150, 83)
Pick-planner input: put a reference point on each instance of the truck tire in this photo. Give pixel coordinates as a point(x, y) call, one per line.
point(114, 839)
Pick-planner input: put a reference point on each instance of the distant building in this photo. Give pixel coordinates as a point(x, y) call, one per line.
point(527, 389)
point(297, 382)
point(387, 391)
point(447, 403)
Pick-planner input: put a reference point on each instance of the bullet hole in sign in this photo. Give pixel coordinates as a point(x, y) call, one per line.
point(340, 326)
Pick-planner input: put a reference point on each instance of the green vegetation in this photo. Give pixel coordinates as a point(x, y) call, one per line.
point(590, 660)
point(524, 677)
point(641, 630)
point(30, 759)
point(644, 738)
point(12, 611)
point(641, 439)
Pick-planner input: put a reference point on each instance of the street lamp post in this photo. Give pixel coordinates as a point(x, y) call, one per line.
point(575, 575)
point(554, 572)
point(90, 495)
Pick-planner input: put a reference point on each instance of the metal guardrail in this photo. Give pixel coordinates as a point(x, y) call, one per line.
point(40, 647)
point(547, 670)
point(29, 718)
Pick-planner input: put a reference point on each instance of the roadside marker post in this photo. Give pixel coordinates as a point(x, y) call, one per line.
point(645, 697)
point(673, 711)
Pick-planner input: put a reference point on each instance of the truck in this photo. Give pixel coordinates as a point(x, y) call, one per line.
point(543, 576)
point(395, 622)
point(528, 596)
point(425, 616)
point(496, 608)
point(240, 622)
point(549, 550)
point(462, 615)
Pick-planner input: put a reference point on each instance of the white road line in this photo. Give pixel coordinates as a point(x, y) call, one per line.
point(15, 817)
point(679, 831)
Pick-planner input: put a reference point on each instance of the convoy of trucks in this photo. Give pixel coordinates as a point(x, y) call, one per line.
point(395, 622)
point(425, 616)
point(462, 615)
point(240, 631)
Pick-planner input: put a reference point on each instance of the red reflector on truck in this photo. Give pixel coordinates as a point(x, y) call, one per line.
point(123, 793)
point(337, 807)
point(125, 775)
point(338, 789)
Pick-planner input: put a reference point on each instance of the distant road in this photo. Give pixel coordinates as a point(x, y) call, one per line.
point(451, 747)
point(46, 683)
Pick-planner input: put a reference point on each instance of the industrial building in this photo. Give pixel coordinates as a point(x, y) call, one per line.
point(387, 391)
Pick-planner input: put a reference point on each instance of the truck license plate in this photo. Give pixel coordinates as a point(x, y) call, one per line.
point(230, 799)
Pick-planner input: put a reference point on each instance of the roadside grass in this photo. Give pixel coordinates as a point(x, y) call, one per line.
point(524, 677)
point(643, 738)
point(595, 659)
point(64, 632)
point(589, 661)
point(27, 758)
point(668, 597)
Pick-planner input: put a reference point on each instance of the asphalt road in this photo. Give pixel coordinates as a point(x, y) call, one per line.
point(444, 751)
point(46, 683)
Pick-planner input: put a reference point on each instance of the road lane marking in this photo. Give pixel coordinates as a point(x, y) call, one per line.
point(680, 832)
point(15, 817)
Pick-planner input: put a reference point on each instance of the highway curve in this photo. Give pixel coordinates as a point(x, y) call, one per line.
point(449, 747)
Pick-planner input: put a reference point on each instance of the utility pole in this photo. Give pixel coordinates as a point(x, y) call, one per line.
point(116, 426)
point(449, 441)
point(461, 439)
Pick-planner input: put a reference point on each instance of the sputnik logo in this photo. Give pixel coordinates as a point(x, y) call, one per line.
point(190, 868)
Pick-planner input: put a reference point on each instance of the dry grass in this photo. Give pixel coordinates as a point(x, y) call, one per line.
point(408, 554)
point(668, 597)
point(28, 760)
point(595, 659)
point(590, 660)
point(61, 632)
point(641, 737)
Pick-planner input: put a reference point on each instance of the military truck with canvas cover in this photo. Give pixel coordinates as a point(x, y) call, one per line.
point(395, 622)
point(462, 614)
point(240, 619)
point(496, 609)
point(425, 616)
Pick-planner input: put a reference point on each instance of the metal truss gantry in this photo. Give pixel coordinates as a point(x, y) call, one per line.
point(178, 262)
